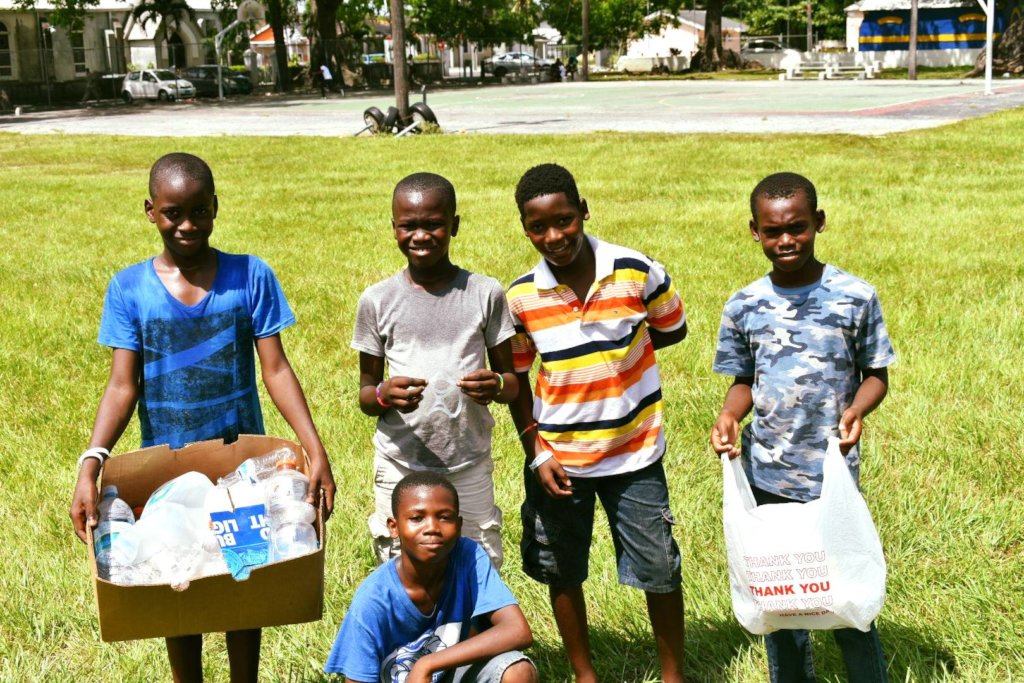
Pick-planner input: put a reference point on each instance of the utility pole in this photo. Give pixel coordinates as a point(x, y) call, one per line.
point(398, 58)
point(585, 47)
point(912, 52)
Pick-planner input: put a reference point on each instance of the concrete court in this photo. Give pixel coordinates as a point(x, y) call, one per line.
point(711, 106)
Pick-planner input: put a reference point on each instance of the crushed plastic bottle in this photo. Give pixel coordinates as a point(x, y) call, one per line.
point(115, 517)
point(261, 467)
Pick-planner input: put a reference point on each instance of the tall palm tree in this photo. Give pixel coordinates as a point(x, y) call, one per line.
point(166, 13)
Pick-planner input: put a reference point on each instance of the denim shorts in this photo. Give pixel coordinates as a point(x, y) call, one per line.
point(557, 531)
point(490, 671)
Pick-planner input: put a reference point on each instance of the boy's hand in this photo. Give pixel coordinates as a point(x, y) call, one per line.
point(403, 393)
point(850, 426)
point(725, 435)
point(321, 479)
point(83, 506)
point(420, 672)
point(481, 385)
point(553, 478)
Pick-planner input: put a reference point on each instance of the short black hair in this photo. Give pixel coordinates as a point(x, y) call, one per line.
point(543, 180)
point(428, 182)
point(180, 164)
point(418, 479)
point(783, 186)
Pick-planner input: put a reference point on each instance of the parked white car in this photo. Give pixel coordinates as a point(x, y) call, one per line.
point(513, 62)
point(155, 84)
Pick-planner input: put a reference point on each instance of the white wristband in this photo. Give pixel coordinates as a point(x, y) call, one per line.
point(540, 460)
point(97, 452)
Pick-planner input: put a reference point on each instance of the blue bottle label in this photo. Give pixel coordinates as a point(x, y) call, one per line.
point(243, 535)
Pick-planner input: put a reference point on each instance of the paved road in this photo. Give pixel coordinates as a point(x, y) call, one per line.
point(853, 107)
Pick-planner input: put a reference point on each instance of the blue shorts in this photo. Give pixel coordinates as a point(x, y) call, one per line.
point(557, 531)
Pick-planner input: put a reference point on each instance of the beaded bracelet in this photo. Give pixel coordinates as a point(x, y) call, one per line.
point(380, 399)
point(523, 433)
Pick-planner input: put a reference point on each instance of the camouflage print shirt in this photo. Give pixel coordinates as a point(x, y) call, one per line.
point(805, 349)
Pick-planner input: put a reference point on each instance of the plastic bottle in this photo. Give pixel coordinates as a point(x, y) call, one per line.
point(115, 518)
point(291, 517)
point(286, 483)
point(262, 467)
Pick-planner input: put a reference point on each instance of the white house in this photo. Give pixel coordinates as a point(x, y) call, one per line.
point(682, 35)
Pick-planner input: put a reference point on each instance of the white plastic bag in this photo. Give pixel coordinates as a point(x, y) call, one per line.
point(815, 565)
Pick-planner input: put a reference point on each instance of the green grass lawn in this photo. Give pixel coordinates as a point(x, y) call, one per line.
point(931, 218)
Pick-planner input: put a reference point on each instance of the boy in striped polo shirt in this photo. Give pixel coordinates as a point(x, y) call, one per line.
point(595, 312)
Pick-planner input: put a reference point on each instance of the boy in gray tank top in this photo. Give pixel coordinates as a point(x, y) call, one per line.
point(435, 327)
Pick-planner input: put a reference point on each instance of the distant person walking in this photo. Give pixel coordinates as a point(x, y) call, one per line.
point(326, 80)
point(92, 86)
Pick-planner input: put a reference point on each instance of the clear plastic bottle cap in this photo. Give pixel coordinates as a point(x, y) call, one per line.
point(109, 491)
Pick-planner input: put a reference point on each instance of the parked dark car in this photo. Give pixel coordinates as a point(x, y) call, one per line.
point(204, 78)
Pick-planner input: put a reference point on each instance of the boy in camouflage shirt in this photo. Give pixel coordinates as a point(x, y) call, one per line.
point(808, 349)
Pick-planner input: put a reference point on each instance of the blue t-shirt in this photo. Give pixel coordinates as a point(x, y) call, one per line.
point(198, 362)
point(805, 349)
point(384, 633)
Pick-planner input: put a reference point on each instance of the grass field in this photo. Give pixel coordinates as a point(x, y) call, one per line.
point(930, 218)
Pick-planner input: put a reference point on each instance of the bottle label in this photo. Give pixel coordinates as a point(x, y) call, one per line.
point(104, 541)
point(243, 535)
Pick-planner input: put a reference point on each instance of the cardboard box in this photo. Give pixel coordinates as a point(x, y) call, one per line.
point(289, 592)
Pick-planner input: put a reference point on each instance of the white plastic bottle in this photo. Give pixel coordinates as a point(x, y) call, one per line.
point(115, 517)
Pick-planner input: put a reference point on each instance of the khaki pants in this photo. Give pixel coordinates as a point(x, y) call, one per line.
point(481, 519)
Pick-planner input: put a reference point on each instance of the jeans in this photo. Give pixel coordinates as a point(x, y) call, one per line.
point(789, 651)
point(557, 531)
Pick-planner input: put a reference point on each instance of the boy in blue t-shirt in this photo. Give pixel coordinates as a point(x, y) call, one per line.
point(809, 352)
point(437, 611)
point(183, 326)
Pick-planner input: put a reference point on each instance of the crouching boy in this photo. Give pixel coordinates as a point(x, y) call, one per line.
point(437, 611)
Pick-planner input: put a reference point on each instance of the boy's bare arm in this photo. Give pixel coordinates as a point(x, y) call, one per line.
point(286, 392)
point(550, 473)
point(112, 417)
point(401, 393)
point(509, 631)
point(483, 386)
point(869, 396)
point(663, 339)
point(726, 432)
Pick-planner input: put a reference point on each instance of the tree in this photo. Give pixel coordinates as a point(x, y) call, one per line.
point(709, 57)
point(612, 22)
point(350, 16)
point(277, 13)
point(166, 13)
point(779, 16)
point(460, 22)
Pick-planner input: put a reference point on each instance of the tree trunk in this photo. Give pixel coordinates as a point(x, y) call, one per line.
point(585, 46)
point(277, 23)
point(912, 52)
point(327, 27)
point(398, 57)
point(711, 50)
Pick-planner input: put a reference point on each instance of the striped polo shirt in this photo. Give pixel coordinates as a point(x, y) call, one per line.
point(598, 400)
